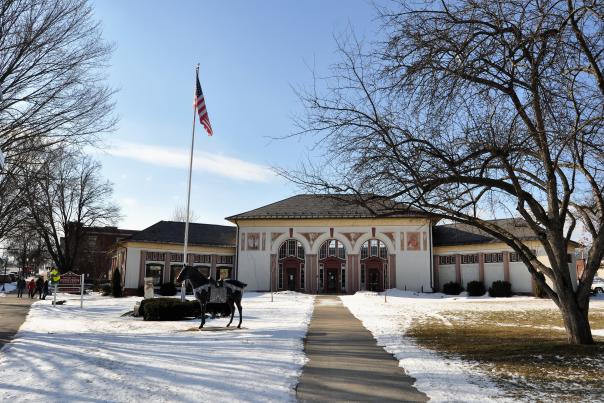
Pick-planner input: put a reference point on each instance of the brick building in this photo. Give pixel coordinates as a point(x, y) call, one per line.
point(96, 250)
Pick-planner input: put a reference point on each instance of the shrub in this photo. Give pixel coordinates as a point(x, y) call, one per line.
point(105, 289)
point(476, 289)
point(500, 289)
point(167, 289)
point(116, 284)
point(452, 288)
point(168, 309)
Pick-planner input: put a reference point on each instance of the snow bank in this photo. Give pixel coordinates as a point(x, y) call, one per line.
point(443, 379)
point(8, 287)
point(66, 354)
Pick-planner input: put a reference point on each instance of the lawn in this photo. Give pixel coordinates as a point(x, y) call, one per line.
point(65, 354)
point(525, 353)
point(476, 349)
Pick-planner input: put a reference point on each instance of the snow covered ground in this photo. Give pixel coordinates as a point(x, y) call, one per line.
point(443, 379)
point(66, 354)
point(8, 287)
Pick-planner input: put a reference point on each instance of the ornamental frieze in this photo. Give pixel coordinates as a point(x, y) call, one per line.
point(311, 237)
point(390, 235)
point(353, 237)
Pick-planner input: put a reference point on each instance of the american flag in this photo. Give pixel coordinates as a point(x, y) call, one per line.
point(200, 105)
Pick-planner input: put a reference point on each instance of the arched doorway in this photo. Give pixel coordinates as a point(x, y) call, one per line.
point(332, 266)
point(290, 274)
point(374, 265)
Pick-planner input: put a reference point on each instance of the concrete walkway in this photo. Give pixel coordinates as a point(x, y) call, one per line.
point(13, 311)
point(346, 364)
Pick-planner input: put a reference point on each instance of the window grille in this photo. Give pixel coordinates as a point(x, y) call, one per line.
point(332, 248)
point(291, 247)
point(156, 256)
point(176, 257)
point(280, 282)
point(202, 259)
point(224, 259)
point(383, 250)
point(446, 259)
point(362, 275)
point(469, 259)
point(364, 251)
point(320, 277)
point(374, 248)
point(495, 257)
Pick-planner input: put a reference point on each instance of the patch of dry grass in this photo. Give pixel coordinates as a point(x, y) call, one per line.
point(525, 352)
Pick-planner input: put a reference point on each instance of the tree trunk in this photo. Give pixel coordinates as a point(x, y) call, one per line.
point(576, 322)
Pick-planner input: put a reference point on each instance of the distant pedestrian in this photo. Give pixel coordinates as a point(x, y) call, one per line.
point(39, 287)
point(31, 288)
point(45, 290)
point(20, 287)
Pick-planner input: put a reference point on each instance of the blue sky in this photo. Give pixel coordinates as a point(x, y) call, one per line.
point(251, 54)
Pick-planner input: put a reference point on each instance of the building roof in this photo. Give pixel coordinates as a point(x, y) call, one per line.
point(108, 231)
point(329, 206)
point(464, 234)
point(199, 234)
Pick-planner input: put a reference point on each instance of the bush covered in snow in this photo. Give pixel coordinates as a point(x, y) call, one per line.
point(106, 289)
point(168, 309)
point(500, 289)
point(452, 288)
point(167, 289)
point(476, 289)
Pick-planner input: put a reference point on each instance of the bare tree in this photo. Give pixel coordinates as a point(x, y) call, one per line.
point(180, 214)
point(26, 247)
point(11, 202)
point(52, 83)
point(67, 195)
point(475, 107)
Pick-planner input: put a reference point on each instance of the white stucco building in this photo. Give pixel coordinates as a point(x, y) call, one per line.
point(315, 243)
point(157, 251)
point(320, 244)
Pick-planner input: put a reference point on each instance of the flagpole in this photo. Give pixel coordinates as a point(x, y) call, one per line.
point(183, 288)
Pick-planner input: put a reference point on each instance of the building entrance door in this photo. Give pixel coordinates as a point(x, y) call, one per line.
point(291, 278)
point(331, 281)
point(374, 280)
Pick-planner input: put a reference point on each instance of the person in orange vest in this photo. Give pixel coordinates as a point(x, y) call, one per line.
point(31, 288)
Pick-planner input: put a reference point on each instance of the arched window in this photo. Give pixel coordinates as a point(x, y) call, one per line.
point(332, 248)
point(291, 248)
point(374, 248)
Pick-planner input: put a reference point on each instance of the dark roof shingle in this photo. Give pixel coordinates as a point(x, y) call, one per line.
point(462, 234)
point(199, 234)
point(328, 206)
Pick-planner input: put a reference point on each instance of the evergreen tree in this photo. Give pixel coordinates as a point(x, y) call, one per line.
point(116, 284)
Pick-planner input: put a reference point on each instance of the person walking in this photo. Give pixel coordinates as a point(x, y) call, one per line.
point(31, 288)
point(39, 287)
point(20, 287)
point(45, 289)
